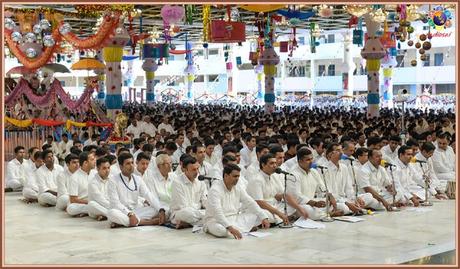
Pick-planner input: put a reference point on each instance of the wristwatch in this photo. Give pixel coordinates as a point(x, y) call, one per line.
point(130, 214)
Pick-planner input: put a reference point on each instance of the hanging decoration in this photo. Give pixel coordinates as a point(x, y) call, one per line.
point(296, 14)
point(49, 98)
point(150, 66)
point(358, 33)
point(51, 123)
point(325, 11)
point(171, 15)
point(261, 8)
point(206, 28)
point(190, 11)
point(358, 10)
point(315, 32)
point(190, 69)
point(440, 18)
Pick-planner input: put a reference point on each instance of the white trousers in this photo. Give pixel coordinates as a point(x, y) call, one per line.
point(116, 216)
point(189, 215)
point(29, 193)
point(14, 184)
point(242, 222)
point(62, 202)
point(47, 198)
point(446, 176)
point(75, 209)
point(95, 210)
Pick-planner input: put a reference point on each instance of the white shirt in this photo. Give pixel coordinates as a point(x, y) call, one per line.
point(63, 182)
point(97, 191)
point(388, 155)
point(306, 185)
point(407, 178)
point(47, 179)
point(32, 179)
point(224, 203)
point(78, 183)
point(444, 162)
point(427, 168)
point(265, 187)
point(115, 169)
point(187, 194)
point(168, 128)
point(54, 147)
point(160, 186)
point(135, 130)
point(149, 129)
point(369, 176)
point(64, 148)
point(339, 182)
point(291, 163)
point(248, 156)
point(16, 171)
point(124, 193)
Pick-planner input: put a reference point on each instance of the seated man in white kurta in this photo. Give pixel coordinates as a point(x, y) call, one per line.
point(73, 163)
point(188, 197)
point(98, 199)
point(159, 181)
point(339, 182)
point(424, 167)
point(47, 179)
point(224, 214)
point(268, 192)
point(78, 185)
point(15, 171)
point(229, 159)
point(30, 190)
point(124, 190)
point(307, 184)
point(205, 169)
point(406, 175)
point(444, 159)
point(261, 150)
point(373, 178)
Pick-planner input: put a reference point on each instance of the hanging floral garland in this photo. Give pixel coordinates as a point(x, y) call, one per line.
point(103, 35)
point(36, 63)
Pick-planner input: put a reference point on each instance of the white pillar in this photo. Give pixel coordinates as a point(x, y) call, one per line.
point(312, 77)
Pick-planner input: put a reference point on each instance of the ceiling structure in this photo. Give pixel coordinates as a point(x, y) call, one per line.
point(152, 20)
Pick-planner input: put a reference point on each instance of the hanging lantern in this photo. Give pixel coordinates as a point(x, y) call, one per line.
point(358, 37)
point(413, 62)
point(9, 24)
point(426, 45)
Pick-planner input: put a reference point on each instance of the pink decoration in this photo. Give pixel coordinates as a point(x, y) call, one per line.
point(172, 14)
point(46, 100)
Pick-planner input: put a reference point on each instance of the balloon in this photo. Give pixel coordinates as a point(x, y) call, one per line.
point(65, 28)
point(31, 53)
point(422, 37)
point(45, 24)
point(413, 62)
point(426, 45)
point(48, 41)
point(439, 18)
point(30, 37)
point(9, 24)
point(37, 29)
point(16, 36)
point(410, 43)
point(172, 14)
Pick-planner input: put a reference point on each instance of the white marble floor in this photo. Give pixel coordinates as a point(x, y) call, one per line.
point(38, 235)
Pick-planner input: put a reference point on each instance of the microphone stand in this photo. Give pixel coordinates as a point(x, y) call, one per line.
point(394, 190)
point(328, 217)
point(425, 178)
point(284, 225)
point(354, 179)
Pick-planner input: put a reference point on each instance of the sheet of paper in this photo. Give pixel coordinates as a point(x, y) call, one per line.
point(146, 228)
point(309, 224)
point(257, 234)
point(349, 219)
point(419, 209)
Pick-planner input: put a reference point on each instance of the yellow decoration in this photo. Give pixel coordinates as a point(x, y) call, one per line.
point(373, 64)
point(262, 8)
point(87, 64)
point(112, 54)
point(259, 76)
point(101, 77)
point(190, 77)
point(270, 70)
point(150, 75)
point(388, 72)
point(19, 123)
point(70, 123)
point(206, 20)
point(276, 44)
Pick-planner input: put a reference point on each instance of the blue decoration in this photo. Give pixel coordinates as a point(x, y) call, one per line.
point(290, 14)
point(373, 98)
point(113, 101)
point(129, 57)
point(358, 37)
point(269, 98)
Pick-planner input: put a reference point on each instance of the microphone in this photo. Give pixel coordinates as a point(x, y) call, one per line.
point(386, 164)
point(314, 165)
point(201, 178)
point(345, 158)
point(280, 171)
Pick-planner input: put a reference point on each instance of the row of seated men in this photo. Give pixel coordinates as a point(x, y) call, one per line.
point(228, 199)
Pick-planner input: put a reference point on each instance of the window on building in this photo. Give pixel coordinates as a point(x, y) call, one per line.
point(199, 52)
point(400, 60)
point(445, 88)
point(213, 78)
point(427, 61)
point(213, 51)
point(301, 40)
point(331, 38)
point(321, 70)
point(331, 70)
point(199, 78)
point(438, 59)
